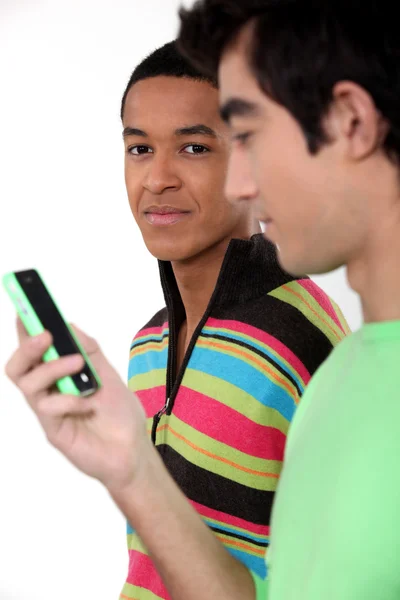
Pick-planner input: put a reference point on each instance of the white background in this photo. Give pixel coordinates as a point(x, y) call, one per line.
point(63, 209)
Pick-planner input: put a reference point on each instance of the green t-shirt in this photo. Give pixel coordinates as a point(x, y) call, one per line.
point(336, 520)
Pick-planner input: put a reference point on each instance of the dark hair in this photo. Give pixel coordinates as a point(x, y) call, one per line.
point(301, 48)
point(167, 61)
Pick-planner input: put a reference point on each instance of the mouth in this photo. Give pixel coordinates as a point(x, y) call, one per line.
point(165, 215)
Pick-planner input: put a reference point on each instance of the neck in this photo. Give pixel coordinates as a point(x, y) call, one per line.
point(374, 274)
point(197, 277)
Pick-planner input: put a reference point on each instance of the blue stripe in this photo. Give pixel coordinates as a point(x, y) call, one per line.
point(148, 361)
point(245, 377)
point(254, 563)
point(265, 350)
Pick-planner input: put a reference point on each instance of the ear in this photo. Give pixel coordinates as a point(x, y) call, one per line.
point(354, 119)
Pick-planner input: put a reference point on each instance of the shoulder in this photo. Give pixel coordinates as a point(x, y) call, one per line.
point(155, 328)
point(309, 300)
point(297, 321)
point(311, 321)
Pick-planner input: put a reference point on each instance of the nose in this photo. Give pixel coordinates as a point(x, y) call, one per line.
point(161, 176)
point(240, 183)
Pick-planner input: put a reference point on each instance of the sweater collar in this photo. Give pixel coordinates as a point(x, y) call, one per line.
point(249, 270)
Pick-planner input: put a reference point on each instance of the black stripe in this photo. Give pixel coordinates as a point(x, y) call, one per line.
point(240, 537)
point(260, 353)
point(157, 320)
point(287, 324)
point(217, 492)
point(156, 340)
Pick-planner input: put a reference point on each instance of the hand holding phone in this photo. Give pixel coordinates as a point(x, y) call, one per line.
point(38, 312)
point(105, 435)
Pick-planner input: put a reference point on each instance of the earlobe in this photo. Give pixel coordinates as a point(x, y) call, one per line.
point(357, 120)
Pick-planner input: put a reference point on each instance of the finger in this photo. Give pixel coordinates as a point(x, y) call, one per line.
point(89, 344)
point(37, 382)
point(63, 405)
point(21, 331)
point(27, 355)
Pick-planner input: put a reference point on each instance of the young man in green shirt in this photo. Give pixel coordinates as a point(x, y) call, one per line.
point(312, 93)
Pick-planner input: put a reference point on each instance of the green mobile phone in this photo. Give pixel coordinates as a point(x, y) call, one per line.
point(38, 312)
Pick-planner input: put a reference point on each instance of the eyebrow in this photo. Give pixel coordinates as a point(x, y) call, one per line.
point(198, 129)
point(133, 131)
point(236, 107)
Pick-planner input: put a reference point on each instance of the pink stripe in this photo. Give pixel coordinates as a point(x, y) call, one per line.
point(152, 400)
point(322, 299)
point(217, 515)
point(142, 573)
point(228, 426)
point(265, 338)
point(151, 331)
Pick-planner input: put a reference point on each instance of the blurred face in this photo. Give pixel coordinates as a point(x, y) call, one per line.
point(314, 206)
point(176, 157)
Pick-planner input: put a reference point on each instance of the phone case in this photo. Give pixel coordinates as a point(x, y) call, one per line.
point(34, 326)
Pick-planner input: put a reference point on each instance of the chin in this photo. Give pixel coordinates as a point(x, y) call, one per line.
point(167, 251)
point(313, 264)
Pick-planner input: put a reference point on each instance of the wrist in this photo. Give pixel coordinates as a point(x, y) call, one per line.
point(135, 495)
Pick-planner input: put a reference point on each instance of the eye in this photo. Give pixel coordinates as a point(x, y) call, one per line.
point(138, 150)
point(241, 138)
point(196, 149)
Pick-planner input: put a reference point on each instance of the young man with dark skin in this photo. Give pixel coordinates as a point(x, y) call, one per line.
point(217, 373)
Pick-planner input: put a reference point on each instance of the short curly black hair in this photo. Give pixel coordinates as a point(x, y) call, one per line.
point(167, 61)
point(301, 48)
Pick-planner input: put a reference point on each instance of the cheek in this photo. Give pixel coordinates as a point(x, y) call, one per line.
point(133, 187)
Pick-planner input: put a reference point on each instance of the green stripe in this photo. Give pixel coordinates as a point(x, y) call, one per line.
point(316, 319)
point(135, 543)
point(138, 593)
point(211, 463)
point(341, 317)
point(230, 395)
point(147, 381)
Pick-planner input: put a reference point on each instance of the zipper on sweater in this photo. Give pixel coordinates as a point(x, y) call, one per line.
point(156, 420)
point(171, 368)
point(174, 379)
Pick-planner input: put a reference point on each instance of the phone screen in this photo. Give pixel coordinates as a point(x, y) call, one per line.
point(51, 320)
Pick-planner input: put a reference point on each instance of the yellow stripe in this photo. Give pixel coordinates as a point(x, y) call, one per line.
point(134, 592)
point(217, 457)
point(298, 297)
point(341, 317)
point(155, 346)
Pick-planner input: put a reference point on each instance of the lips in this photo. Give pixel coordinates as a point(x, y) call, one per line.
point(165, 215)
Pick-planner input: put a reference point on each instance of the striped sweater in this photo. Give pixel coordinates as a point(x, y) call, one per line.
point(221, 424)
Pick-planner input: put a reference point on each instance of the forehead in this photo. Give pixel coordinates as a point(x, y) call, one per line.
point(235, 77)
point(172, 100)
